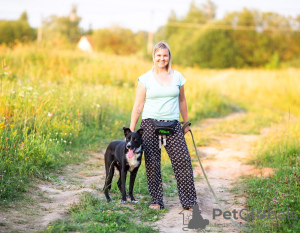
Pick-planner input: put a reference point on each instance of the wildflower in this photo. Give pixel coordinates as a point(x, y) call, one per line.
point(7, 139)
point(23, 144)
point(70, 133)
point(292, 200)
point(276, 201)
point(50, 140)
point(280, 181)
point(65, 141)
point(260, 202)
point(287, 195)
point(70, 142)
point(49, 114)
point(282, 193)
point(57, 141)
point(267, 190)
point(21, 94)
point(65, 133)
point(15, 133)
point(29, 88)
point(56, 133)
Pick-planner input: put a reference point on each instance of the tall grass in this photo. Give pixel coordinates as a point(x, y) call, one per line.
point(270, 99)
point(55, 103)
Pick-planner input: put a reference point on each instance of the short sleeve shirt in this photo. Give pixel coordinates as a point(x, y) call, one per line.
point(161, 103)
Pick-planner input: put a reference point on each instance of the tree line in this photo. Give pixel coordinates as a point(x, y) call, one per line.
point(247, 38)
point(241, 39)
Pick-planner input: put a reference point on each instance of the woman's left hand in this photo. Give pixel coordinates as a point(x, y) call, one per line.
point(186, 129)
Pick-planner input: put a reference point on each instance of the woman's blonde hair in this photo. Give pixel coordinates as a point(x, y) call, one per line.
point(161, 45)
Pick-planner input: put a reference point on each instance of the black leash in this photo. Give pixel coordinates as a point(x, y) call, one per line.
point(216, 199)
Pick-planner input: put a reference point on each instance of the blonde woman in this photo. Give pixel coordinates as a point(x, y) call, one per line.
point(160, 96)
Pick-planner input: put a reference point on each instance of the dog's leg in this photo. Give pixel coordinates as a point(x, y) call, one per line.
point(110, 169)
point(131, 184)
point(119, 184)
point(123, 185)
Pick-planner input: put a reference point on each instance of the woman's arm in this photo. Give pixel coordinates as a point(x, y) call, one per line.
point(183, 108)
point(138, 105)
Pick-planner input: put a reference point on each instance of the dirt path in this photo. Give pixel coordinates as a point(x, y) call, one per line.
point(49, 201)
point(223, 164)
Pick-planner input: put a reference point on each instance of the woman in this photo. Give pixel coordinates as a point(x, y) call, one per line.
point(162, 89)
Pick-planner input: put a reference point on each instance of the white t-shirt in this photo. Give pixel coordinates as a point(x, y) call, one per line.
point(161, 103)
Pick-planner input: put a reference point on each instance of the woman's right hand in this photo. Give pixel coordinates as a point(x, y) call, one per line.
point(138, 105)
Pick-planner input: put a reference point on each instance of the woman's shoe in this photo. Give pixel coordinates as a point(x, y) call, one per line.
point(191, 210)
point(154, 206)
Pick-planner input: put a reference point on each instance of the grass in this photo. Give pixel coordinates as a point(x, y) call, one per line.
point(268, 99)
point(92, 214)
point(54, 104)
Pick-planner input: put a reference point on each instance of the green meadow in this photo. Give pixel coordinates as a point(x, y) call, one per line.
point(54, 104)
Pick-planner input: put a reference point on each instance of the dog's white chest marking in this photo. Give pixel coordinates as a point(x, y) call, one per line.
point(133, 162)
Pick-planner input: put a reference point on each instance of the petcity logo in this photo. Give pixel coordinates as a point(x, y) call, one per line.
point(194, 220)
point(251, 214)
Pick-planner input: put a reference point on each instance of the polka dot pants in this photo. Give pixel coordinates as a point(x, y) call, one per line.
point(181, 162)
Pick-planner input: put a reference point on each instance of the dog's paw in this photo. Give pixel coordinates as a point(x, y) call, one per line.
point(134, 201)
point(123, 202)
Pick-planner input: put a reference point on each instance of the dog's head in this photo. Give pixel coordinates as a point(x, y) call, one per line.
point(134, 143)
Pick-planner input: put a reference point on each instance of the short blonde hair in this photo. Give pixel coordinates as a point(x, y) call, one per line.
point(161, 45)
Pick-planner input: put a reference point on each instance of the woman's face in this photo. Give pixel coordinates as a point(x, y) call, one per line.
point(161, 58)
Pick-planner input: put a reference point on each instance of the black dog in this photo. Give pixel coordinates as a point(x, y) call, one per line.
point(125, 156)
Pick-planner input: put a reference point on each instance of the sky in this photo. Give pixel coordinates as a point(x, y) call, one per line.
point(136, 15)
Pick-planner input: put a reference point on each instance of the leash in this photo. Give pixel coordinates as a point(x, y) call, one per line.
point(216, 199)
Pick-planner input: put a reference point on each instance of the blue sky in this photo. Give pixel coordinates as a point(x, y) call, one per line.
point(133, 14)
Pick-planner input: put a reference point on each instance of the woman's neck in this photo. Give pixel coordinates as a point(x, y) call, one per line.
point(162, 71)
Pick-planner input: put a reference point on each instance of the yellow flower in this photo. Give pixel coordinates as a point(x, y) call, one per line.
point(68, 121)
point(15, 133)
point(2, 125)
point(11, 125)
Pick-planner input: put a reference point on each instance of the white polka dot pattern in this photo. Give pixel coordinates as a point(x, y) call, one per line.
point(181, 162)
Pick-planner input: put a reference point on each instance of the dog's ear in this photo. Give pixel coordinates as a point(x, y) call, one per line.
point(126, 130)
point(140, 131)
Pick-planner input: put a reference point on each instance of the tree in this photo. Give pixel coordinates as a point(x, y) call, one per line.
point(117, 40)
point(16, 30)
point(62, 30)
